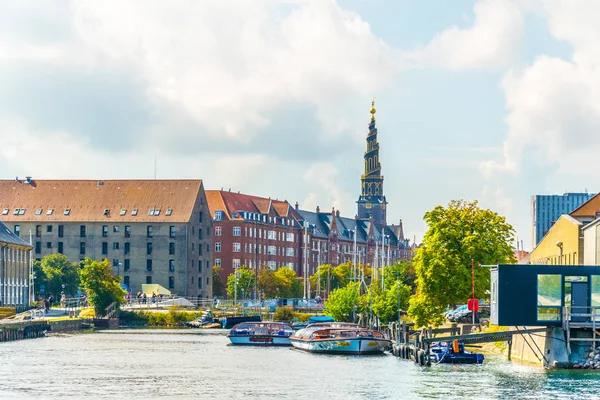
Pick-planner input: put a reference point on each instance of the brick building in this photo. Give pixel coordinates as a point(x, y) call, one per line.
point(152, 231)
point(253, 231)
point(15, 256)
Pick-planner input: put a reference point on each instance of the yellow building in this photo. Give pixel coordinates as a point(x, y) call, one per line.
point(562, 244)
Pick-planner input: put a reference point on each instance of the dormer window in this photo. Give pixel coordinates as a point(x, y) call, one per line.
point(134, 212)
point(123, 211)
point(157, 212)
point(218, 215)
point(49, 212)
point(16, 212)
point(106, 212)
point(21, 211)
point(38, 211)
point(151, 212)
point(67, 211)
point(169, 212)
point(5, 211)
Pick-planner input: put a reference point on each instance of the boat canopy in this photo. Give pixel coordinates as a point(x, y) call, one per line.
point(320, 318)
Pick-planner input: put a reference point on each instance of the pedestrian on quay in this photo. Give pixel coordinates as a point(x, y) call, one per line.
point(144, 297)
point(128, 298)
point(46, 306)
point(63, 301)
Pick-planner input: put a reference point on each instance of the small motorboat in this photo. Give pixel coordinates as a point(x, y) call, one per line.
point(261, 334)
point(453, 353)
point(340, 340)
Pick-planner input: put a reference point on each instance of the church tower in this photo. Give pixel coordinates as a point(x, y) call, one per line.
point(372, 202)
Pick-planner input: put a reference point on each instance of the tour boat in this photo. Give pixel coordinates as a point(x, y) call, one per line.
point(340, 340)
point(261, 334)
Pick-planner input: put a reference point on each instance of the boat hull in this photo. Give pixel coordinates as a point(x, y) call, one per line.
point(259, 340)
point(356, 346)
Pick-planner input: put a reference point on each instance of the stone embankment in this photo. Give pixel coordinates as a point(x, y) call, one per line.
point(592, 361)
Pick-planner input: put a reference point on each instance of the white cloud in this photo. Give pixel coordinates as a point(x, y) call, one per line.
point(492, 41)
point(323, 180)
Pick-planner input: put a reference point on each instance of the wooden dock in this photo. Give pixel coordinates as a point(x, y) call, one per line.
point(414, 344)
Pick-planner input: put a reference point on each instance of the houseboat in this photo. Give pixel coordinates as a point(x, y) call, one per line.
point(261, 334)
point(340, 340)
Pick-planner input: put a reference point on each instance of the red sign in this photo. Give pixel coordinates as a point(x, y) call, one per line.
point(261, 339)
point(473, 305)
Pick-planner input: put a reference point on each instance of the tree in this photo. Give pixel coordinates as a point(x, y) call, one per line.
point(342, 302)
point(456, 235)
point(268, 283)
point(385, 305)
point(245, 282)
point(54, 271)
point(218, 284)
point(101, 285)
point(288, 282)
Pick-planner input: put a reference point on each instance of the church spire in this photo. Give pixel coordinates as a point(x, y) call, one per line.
point(372, 202)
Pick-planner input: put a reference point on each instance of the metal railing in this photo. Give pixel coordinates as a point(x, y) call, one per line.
point(585, 317)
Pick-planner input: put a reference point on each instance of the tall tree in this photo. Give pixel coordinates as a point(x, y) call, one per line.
point(457, 234)
point(268, 284)
point(288, 282)
point(218, 284)
point(101, 285)
point(245, 283)
point(54, 271)
point(342, 302)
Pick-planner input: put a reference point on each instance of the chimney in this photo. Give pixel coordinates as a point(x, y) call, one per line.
point(28, 180)
point(318, 210)
point(296, 205)
point(356, 216)
point(332, 211)
point(337, 213)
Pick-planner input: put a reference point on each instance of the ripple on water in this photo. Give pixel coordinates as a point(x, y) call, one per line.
point(199, 364)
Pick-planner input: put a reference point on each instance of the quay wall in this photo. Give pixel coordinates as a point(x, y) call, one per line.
point(544, 349)
point(66, 325)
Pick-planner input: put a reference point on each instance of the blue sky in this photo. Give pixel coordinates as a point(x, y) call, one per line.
point(494, 100)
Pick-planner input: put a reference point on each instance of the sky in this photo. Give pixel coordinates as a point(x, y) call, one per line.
point(488, 100)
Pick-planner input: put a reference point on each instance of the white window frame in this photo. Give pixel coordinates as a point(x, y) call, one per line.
point(237, 247)
point(217, 262)
point(217, 231)
point(217, 247)
point(237, 231)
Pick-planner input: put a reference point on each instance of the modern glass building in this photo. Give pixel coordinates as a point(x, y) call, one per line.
point(547, 209)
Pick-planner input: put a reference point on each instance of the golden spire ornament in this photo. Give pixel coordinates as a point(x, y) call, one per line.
point(373, 110)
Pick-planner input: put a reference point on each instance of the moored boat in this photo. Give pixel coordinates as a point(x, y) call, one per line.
point(261, 334)
point(340, 340)
point(453, 353)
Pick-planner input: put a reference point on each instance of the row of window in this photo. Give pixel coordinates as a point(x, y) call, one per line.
point(257, 217)
point(252, 232)
point(21, 211)
point(83, 230)
point(271, 250)
point(236, 263)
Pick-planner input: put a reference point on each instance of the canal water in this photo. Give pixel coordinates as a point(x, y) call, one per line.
point(182, 364)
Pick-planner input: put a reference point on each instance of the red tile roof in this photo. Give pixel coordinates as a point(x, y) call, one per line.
point(231, 202)
point(87, 200)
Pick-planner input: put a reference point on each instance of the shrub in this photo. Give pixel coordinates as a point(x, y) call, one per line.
point(87, 313)
point(283, 314)
point(302, 317)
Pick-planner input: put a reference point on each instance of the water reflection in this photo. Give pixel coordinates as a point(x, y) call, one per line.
point(185, 364)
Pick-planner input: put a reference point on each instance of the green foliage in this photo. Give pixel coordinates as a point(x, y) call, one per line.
point(218, 285)
point(281, 283)
point(173, 318)
point(101, 285)
point(245, 283)
point(288, 282)
point(456, 234)
point(283, 314)
point(385, 305)
point(342, 301)
point(55, 270)
point(301, 317)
